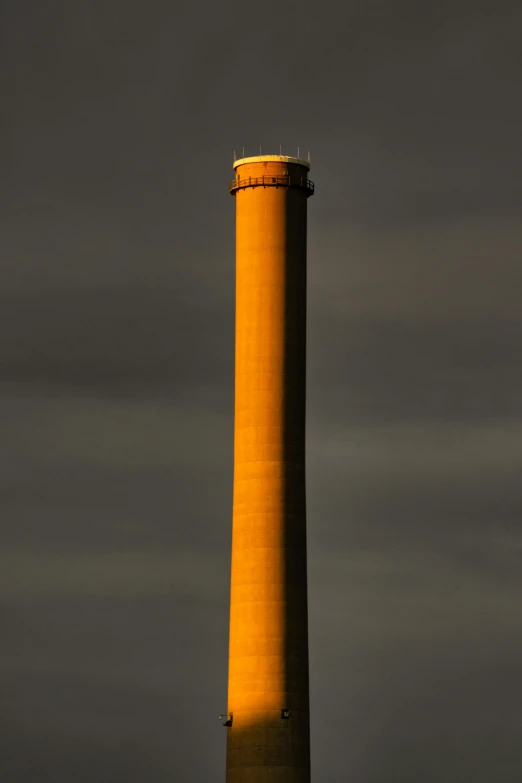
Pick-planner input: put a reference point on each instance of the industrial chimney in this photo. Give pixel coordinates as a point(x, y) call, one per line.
point(267, 722)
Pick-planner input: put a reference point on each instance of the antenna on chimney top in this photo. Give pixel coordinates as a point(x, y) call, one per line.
point(234, 156)
point(298, 153)
point(308, 156)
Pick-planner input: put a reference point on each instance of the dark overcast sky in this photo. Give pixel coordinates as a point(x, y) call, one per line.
point(118, 124)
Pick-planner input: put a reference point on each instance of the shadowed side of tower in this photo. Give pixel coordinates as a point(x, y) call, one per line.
point(268, 739)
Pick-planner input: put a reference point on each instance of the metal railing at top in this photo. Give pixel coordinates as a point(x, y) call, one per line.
point(274, 182)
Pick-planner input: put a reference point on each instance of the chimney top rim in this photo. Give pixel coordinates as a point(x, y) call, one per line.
point(271, 159)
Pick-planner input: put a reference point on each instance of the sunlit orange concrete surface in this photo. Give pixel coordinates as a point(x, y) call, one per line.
point(268, 654)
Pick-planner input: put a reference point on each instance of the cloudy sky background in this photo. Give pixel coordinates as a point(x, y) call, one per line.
point(119, 121)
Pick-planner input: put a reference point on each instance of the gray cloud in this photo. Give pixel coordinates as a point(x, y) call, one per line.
point(116, 372)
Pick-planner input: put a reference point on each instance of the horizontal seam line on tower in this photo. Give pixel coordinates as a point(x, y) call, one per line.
point(268, 461)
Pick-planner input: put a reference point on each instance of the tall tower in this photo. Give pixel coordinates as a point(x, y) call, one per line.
point(268, 692)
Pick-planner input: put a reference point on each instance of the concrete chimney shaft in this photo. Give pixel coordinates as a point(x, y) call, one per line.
point(268, 692)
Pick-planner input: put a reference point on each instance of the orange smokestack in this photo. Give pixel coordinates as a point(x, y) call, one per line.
point(268, 692)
